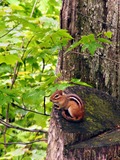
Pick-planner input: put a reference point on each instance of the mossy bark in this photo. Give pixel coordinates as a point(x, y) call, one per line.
point(82, 17)
point(97, 137)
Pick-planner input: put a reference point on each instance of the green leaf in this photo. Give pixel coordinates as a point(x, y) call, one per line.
point(17, 152)
point(74, 45)
point(84, 47)
point(93, 47)
point(104, 40)
point(38, 154)
point(64, 33)
point(40, 120)
point(33, 96)
point(108, 34)
point(9, 59)
point(16, 7)
point(13, 1)
point(2, 25)
point(77, 81)
point(88, 39)
point(91, 37)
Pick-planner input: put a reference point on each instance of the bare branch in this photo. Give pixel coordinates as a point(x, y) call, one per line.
point(27, 47)
point(9, 31)
point(24, 143)
point(44, 114)
point(16, 70)
point(43, 65)
point(44, 105)
point(7, 121)
point(8, 125)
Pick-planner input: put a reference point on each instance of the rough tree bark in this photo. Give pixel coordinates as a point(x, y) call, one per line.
point(97, 137)
point(82, 17)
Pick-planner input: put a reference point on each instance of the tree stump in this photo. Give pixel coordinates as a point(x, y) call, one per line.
point(96, 137)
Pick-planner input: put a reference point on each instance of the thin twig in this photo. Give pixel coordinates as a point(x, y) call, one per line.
point(30, 110)
point(7, 121)
point(24, 143)
point(9, 31)
point(29, 42)
point(44, 105)
point(8, 125)
point(27, 46)
point(16, 70)
point(43, 65)
point(33, 8)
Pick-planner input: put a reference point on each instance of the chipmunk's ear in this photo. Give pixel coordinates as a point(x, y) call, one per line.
point(60, 92)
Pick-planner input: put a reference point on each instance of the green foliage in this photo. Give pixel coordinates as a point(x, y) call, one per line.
point(78, 82)
point(92, 43)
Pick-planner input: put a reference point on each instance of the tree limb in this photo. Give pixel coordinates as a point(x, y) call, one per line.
point(9, 31)
point(44, 114)
point(8, 125)
point(23, 143)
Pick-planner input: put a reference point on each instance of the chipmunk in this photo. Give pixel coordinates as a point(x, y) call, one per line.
point(70, 102)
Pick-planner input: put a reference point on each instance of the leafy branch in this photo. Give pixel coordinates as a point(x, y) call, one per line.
point(16, 70)
point(91, 43)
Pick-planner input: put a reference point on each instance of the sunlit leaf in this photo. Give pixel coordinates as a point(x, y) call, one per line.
point(9, 59)
point(16, 7)
point(104, 40)
point(77, 81)
point(17, 152)
point(108, 34)
point(74, 45)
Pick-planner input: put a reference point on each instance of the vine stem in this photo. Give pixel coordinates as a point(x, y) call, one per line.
point(33, 8)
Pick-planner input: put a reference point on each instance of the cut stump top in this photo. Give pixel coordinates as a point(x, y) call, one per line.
point(102, 113)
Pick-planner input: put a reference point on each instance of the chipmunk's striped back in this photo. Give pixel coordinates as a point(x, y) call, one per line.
point(70, 102)
point(76, 99)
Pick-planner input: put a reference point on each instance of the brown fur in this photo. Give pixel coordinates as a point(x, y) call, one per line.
point(65, 102)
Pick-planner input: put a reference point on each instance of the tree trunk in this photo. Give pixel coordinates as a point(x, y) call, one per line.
point(82, 17)
point(97, 137)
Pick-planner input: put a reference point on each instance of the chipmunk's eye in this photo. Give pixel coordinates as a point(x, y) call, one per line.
point(57, 95)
